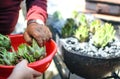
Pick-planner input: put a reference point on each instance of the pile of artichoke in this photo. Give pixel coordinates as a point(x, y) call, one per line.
point(84, 30)
point(30, 52)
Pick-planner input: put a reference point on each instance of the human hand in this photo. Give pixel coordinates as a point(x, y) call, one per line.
point(22, 71)
point(40, 33)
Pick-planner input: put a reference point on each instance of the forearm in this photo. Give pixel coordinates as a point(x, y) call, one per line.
point(36, 19)
point(36, 9)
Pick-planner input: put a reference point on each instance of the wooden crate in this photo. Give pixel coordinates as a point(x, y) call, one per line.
point(107, 1)
point(111, 7)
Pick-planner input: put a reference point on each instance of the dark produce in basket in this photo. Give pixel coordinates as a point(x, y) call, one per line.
point(30, 52)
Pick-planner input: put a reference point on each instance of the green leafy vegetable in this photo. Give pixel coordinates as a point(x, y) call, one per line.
point(78, 26)
point(57, 16)
point(5, 42)
point(81, 19)
point(82, 33)
point(31, 53)
point(7, 58)
point(94, 25)
point(103, 35)
point(68, 28)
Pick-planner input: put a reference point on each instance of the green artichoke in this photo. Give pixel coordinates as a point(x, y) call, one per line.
point(103, 35)
point(5, 42)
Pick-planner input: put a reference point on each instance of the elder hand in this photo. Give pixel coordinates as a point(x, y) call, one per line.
point(22, 71)
point(40, 33)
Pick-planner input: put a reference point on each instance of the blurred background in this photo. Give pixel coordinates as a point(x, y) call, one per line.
point(105, 10)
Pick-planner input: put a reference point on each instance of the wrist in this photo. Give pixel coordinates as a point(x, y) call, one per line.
point(38, 21)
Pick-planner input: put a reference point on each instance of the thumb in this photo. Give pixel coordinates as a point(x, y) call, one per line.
point(24, 62)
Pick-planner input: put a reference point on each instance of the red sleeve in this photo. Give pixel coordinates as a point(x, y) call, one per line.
point(37, 10)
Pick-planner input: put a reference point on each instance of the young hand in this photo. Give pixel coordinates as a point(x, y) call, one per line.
point(22, 71)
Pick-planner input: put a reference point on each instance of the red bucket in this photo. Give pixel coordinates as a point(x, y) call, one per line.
point(40, 65)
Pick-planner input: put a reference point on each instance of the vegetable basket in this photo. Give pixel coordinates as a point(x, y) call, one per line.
point(40, 65)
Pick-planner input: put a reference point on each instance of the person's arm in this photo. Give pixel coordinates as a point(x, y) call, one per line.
point(36, 9)
point(22, 71)
point(36, 22)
